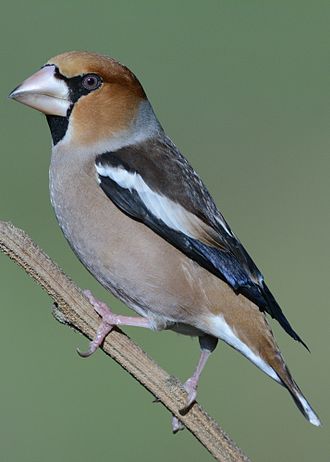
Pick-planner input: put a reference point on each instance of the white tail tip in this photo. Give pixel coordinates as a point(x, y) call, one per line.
point(308, 411)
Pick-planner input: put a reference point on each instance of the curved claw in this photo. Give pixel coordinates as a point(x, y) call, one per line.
point(176, 425)
point(85, 354)
point(102, 331)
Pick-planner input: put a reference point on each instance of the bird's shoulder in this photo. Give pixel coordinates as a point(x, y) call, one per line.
point(168, 173)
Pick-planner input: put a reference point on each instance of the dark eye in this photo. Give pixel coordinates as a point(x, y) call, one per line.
point(91, 82)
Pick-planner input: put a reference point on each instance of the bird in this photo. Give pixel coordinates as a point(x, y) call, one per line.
point(141, 220)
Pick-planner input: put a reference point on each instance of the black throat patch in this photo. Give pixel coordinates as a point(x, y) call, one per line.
point(58, 126)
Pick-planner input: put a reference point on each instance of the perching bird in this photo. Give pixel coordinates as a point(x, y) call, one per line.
point(141, 220)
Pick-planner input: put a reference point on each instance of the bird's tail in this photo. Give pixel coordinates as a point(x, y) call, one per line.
point(297, 395)
point(304, 406)
point(253, 337)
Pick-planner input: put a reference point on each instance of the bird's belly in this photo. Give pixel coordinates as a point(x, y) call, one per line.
point(126, 257)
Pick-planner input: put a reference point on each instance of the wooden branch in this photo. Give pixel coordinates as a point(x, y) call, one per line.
point(73, 308)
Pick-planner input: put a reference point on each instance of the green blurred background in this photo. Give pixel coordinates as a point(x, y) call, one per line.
point(242, 87)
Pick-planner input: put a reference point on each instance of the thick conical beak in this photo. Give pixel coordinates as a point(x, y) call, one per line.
point(45, 92)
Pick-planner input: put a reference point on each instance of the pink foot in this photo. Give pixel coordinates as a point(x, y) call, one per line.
point(208, 344)
point(104, 328)
point(109, 320)
point(191, 388)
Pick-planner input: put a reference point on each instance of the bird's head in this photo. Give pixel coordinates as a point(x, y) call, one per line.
point(88, 99)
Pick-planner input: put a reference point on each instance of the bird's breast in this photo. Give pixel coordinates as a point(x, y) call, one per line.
point(125, 256)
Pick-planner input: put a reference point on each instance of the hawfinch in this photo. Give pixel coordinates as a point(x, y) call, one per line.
point(143, 223)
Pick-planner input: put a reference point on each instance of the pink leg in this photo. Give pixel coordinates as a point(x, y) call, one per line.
point(208, 345)
point(109, 320)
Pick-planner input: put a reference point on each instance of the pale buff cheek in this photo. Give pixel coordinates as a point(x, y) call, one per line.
point(99, 116)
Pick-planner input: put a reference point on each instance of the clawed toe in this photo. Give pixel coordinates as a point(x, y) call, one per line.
point(176, 425)
point(191, 388)
point(85, 354)
point(100, 307)
point(104, 328)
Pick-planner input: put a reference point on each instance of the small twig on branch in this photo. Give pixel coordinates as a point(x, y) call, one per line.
point(74, 309)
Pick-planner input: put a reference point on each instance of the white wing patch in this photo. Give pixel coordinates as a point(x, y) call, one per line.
point(171, 213)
